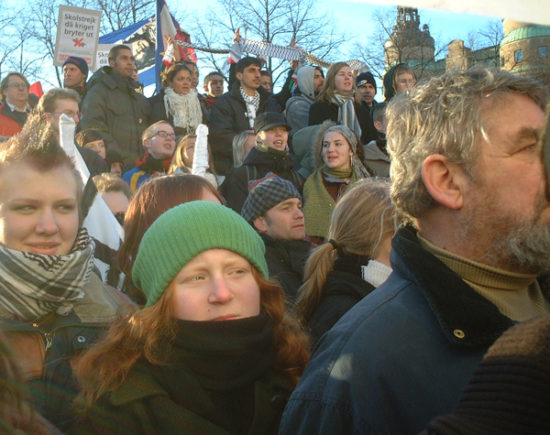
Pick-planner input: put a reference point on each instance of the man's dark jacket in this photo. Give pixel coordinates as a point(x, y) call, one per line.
point(399, 357)
point(113, 106)
point(227, 119)
point(286, 260)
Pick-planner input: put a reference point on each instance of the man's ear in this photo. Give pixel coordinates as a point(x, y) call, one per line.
point(378, 125)
point(445, 181)
point(146, 144)
point(260, 225)
point(239, 76)
point(112, 63)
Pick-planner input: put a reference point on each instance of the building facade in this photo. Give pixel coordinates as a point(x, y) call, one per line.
point(524, 49)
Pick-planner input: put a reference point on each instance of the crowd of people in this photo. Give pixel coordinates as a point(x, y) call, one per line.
point(307, 262)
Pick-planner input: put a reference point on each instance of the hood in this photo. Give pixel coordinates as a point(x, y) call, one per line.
point(305, 81)
point(99, 76)
point(389, 90)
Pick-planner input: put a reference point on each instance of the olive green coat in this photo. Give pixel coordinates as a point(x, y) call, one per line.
point(141, 405)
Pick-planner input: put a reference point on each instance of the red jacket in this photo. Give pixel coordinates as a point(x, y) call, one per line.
point(8, 125)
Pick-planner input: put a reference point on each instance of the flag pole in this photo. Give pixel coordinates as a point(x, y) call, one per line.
point(159, 44)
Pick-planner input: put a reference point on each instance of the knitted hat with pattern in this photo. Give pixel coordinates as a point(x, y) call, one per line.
point(267, 194)
point(182, 233)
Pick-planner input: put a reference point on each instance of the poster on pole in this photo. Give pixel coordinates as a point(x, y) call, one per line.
point(102, 56)
point(77, 35)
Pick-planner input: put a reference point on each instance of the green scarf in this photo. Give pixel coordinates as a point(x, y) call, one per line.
point(343, 174)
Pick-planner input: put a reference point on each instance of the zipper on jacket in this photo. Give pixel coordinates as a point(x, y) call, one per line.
point(48, 337)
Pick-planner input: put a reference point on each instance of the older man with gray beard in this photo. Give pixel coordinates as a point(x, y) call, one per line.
point(467, 170)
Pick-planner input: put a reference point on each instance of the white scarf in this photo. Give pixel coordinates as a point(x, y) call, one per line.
point(185, 110)
point(375, 273)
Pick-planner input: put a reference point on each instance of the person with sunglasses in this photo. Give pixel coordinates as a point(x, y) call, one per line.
point(159, 141)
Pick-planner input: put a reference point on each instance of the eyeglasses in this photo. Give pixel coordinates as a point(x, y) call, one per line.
point(69, 113)
point(164, 135)
point(18, 86)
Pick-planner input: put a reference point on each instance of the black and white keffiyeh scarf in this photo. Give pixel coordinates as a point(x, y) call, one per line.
point(33, 285)
point(252, 105)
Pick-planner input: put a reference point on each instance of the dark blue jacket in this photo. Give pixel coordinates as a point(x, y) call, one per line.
point(400, 356)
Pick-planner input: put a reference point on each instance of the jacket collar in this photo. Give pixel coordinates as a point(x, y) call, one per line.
point(235, 92)
point(272, 160)
point(110, 79)
point(466, 318)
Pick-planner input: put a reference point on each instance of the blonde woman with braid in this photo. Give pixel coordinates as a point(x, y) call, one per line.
point(354, 261)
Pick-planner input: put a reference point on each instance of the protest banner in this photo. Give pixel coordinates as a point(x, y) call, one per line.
point(77, 34)
point(102, 56)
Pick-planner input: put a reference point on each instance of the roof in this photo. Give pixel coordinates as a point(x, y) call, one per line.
point(529, 31)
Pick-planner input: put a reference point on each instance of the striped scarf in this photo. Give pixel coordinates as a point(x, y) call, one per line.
point(346, 112)
point(33, 285)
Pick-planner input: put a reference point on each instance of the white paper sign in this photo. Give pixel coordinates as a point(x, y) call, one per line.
point(77, 35)
point(102, 56)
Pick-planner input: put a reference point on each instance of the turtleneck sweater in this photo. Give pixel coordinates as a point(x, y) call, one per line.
point(516, 295)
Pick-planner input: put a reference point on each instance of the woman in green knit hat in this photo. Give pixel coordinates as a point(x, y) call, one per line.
point(212, 351)
point(338, 159)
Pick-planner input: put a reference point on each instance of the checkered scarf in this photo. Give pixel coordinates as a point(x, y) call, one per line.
point(252, 105)
point(33, 285)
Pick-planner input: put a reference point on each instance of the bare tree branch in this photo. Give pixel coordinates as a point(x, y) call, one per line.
point(274, 21)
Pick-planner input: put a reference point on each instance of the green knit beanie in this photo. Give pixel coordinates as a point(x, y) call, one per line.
point(182, 233)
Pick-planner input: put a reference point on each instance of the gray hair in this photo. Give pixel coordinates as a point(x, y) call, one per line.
point(444, 116)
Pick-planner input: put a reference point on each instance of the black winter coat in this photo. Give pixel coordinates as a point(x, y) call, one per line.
point(113, 106)
point(286, 261)
point(228, 118)
point(255, 166)
point(321, 111)
point(343, 288)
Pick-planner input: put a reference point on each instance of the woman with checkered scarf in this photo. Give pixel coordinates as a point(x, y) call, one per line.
point(52, 303)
